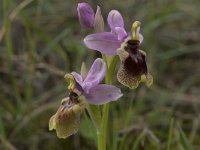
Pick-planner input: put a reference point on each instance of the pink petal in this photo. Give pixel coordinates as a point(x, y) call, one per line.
point(121, 33)
point(102, 94)
point(95, 75)
point(141, 38)
point(104, 42)
point(115, 20)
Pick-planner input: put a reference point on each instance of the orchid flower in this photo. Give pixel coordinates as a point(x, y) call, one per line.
point(84, 88)
point(90, 88)
point(133, 68)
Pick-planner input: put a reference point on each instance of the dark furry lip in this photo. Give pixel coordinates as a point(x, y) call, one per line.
point(135, 63)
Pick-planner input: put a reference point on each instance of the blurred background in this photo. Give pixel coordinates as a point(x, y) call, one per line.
point(41, 40)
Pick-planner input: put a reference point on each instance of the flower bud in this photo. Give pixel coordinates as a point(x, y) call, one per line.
point(86, 15)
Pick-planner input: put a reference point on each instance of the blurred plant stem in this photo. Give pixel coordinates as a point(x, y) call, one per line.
point(10, 51)
point(170, 133)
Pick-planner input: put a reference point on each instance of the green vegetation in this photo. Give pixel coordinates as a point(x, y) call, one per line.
point(41, 40)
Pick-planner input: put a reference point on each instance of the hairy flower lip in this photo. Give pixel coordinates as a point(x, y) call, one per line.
point(136, 64)
point(133, 67)
point(66, 120)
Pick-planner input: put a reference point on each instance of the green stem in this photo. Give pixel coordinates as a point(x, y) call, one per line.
point(102, 134)
point(100, 140)
point(104, 125)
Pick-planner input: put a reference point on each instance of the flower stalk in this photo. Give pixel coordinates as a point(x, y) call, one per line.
point(102, 134)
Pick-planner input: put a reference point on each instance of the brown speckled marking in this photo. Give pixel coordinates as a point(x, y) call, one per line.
point(133, 65)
